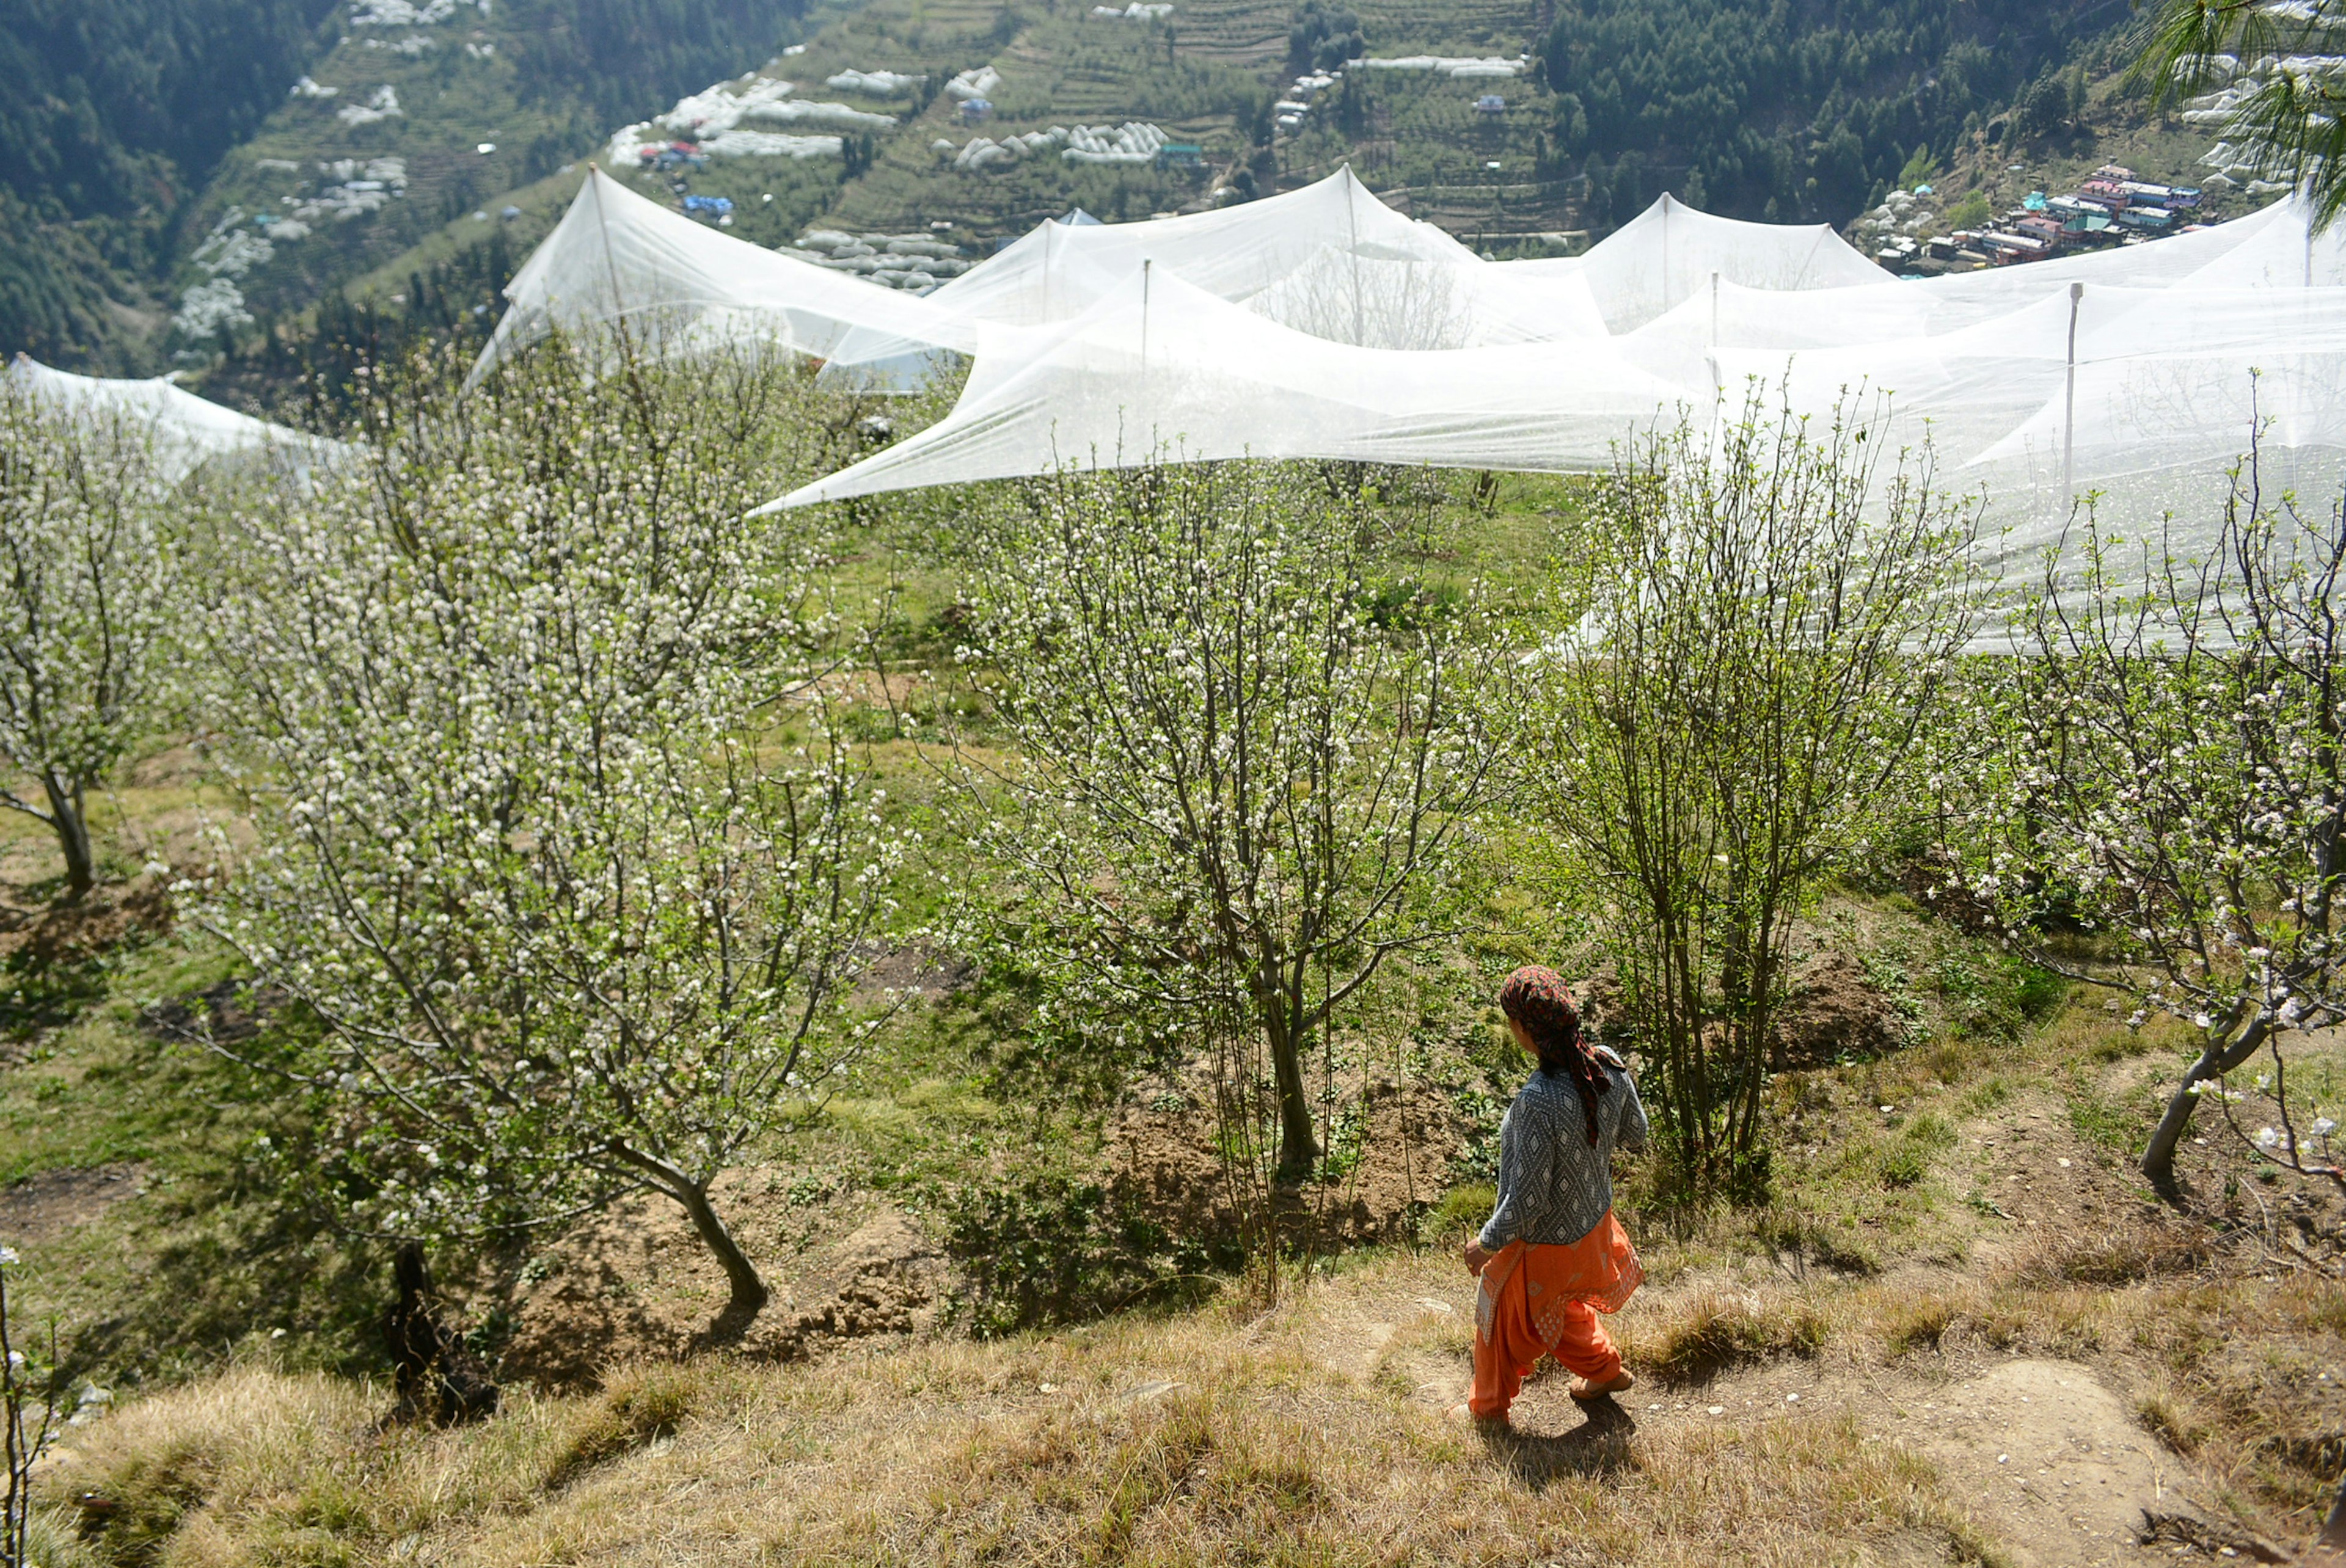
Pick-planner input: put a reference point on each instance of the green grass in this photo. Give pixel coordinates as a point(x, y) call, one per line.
point(105, 1089)
point(2119, 1126)
point(1461, 1212)
point(211, 1259)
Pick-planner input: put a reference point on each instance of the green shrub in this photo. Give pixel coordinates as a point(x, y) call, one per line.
point(1461, 1212)
point(1917, 1325)
point(1716, 1332)
point(1970, 212)
point(149, 1496)
point(1054, 1247)
point(1902, 1165)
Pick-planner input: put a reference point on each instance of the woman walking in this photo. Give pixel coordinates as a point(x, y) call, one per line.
point(1553, 1256)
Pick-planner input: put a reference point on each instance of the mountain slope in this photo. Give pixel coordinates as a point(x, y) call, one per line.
point(112, 114)
point(423, 114)
point(427, 144)
point(1518, 122)
point(165, 165)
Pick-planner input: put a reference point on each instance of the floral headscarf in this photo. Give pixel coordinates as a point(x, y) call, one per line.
point(1539, 1000)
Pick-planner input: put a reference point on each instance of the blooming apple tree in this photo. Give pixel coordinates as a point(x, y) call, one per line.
point(1221, 766)
point(550, 841)
point(1734, 670)
point(86, 554)
point(2173, 775)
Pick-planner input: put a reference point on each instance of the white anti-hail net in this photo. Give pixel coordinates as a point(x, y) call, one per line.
point(188, 430)
point(1323, 324)
point(1330, 260)
point(620, 262)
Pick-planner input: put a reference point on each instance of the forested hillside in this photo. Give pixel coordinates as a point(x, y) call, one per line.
point(135, 126)
point(112, 114)
point(1787, 111)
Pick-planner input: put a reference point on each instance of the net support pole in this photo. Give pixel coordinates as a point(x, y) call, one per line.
point(1717, 379)
point(1352, 227)
point(1666, 250)
point(1145, 267)
point(2069, 402)
point(595, 178)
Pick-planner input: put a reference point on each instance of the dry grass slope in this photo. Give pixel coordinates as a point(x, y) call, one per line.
point(1311, 1433)
point(1214, 1438)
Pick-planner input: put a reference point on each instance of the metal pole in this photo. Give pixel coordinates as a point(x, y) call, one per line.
point(1666, 301)
point(1352, 223)
point(595, 178)
point(1718, 379)
point(2069, 402)
point(602, 225)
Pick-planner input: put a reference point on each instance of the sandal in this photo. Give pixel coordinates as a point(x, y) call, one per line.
point(1464, 1414)
point(1585, 1390)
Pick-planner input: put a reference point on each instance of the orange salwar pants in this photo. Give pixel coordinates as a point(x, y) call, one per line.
point(1540, 1302)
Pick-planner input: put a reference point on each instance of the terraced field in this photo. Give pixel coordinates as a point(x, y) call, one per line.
point(1208, 74)
point(1065, 68)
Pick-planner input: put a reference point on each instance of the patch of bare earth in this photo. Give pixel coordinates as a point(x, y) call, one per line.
point(227, 1013)
point(80, 930)
point(57, 1203)
point(2033, 1172)
point(1162, 1160)
point(917, 972)
point(2040, 1455)
point(636, 1284)
point(1834, 1012)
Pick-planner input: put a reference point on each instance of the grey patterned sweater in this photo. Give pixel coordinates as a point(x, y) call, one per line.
point(1553, 1185)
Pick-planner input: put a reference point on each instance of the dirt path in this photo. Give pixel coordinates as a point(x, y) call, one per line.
point(2039, 1456)
point(2042, 1456)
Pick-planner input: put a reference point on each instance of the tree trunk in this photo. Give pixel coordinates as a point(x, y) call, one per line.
point(2158, 1159)
point(73, 833)
point(436, 1375)
point(1299, 1145)
point(749, 1292)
